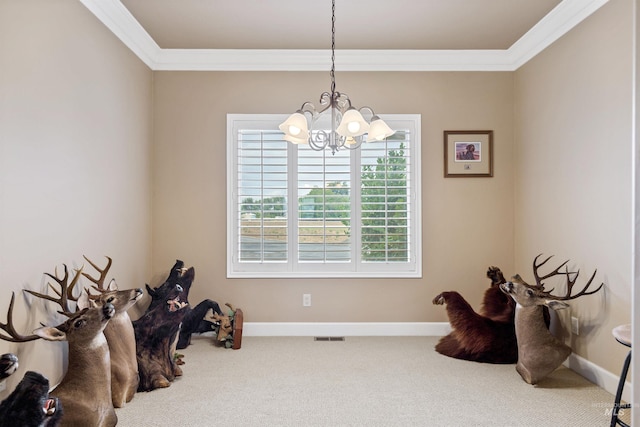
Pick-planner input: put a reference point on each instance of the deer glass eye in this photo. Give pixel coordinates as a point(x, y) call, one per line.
point(79, 323)
point(110, 299)
point(178, 288)
point(529, 293)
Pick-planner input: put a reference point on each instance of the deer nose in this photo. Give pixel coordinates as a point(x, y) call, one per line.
point(507, 287)
point(108, 310)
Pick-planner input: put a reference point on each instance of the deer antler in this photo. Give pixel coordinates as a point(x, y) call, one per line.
point(99, 282)
point(555, 272)
point(65, 294)
point(13, 336)
point(570, 282)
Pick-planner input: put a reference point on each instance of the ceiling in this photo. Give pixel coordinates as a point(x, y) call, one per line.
point(360, 24)
point(370, 34)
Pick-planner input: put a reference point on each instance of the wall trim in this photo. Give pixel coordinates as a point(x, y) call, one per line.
point(592, 372)
point(599, 376)
point(312, 329)
point(117, 18)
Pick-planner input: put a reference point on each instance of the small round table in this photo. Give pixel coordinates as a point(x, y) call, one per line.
point(622, 334)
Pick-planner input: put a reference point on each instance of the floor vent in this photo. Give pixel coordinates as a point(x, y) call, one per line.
point(328, 338)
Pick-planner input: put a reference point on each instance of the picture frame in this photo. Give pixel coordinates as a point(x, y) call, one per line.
point(468, 153)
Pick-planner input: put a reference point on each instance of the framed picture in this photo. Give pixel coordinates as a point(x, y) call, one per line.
point(468, 153)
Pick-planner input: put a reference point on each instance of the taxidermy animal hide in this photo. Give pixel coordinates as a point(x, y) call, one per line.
point(488, 336)
point(157, 329)
point(29, 404)
point(8, 365)
point(194, 321)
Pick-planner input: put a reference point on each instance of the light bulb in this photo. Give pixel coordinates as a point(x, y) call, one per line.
point(294, 130)
point(352, 124)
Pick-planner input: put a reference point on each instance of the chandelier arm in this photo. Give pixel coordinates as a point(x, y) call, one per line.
point(340, 106)
point(319, 140)
point(308, 107)
point(341, 101)
point(366, 107)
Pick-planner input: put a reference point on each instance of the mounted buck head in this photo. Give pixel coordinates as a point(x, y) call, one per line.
point(118, 332)
point(85, 389)
point(121, 300)
point(84, 328)
point(539, 352)
point(526, 295)
point(529, 295)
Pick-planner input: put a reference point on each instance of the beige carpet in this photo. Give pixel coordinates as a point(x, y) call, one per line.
point(363, 381)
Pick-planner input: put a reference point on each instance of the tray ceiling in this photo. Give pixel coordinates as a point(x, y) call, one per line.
point(372, 35)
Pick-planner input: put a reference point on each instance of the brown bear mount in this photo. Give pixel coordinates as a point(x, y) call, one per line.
point(488, 336)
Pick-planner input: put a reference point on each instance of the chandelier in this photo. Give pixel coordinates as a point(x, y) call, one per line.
point(348, 125)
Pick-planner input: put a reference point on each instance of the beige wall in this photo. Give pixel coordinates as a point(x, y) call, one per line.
point(574, 170)
point(76, 168)
point(75, 164)
point(467, 223)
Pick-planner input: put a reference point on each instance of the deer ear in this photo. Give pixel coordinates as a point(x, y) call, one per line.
point(556, 305)
point(113, 286)
point(50, 333)
point(84, 301)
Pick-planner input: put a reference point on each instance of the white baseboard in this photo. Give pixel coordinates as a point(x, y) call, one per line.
point(598, 375)
point(312, 329)
point(594, 373)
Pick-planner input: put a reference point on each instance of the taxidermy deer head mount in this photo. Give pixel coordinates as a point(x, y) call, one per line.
point(118, 332)
point(85, 390)
point(539, 352)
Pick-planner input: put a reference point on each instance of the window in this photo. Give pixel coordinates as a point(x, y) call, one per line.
point(296, 212)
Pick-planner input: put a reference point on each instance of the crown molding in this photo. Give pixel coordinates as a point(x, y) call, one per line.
point(558, 22)
point(123, 25)
point(319, 60)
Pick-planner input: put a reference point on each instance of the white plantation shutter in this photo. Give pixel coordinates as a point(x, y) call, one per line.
point(386, 200)
point(261, 203)
point(324, 205)
point(296, 212)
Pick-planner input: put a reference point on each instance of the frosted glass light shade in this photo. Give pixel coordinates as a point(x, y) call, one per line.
point(295, 126)
point(302, 138)
point(379, 130)
point(352, 124)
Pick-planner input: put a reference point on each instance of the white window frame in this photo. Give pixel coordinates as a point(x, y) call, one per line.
point(353, 269)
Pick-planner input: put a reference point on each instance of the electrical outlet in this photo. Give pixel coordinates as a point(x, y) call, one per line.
point(3, 385)
point(575, 326)
point(306, 300)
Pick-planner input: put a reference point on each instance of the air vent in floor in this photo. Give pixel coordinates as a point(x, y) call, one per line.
point(328, 338)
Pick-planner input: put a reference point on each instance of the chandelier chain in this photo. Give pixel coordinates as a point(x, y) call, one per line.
point(348, 126)
point(333, 47)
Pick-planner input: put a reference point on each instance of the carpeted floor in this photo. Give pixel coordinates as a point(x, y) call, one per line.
point(363, 381)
